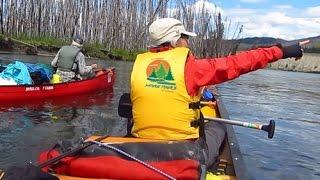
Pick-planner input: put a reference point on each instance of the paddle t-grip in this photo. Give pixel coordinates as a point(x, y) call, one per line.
point(269, 128)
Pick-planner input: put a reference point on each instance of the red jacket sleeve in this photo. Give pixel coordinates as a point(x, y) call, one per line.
point(202, 72)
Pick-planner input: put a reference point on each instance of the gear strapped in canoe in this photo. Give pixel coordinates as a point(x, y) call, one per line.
point(132, 157)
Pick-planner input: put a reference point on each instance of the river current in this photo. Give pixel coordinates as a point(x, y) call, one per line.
point(291, 99)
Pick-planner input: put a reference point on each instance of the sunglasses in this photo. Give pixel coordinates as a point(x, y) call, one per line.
point(184, 36)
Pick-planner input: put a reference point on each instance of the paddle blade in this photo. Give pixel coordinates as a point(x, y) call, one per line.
point(269, 128)
point(125, 107)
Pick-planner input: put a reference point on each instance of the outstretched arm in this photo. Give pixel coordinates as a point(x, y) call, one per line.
point(202, 72)
point(83, 68)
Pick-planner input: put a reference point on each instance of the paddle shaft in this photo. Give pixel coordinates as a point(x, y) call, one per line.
point(69, 153)
point(268, 128)
point(234, 122)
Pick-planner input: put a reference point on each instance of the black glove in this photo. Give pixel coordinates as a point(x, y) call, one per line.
point(27, 172)
point(293, 50)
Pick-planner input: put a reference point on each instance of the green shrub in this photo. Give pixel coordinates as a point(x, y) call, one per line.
point(126, 55)
point(94, 49)
point(43, 40)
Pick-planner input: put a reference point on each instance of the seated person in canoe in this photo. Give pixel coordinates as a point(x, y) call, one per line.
point(168, 79)
point(70, 62)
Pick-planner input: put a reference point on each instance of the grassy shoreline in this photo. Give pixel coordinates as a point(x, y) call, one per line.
point(49, 46)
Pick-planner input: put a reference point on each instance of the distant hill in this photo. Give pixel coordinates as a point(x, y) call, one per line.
point(262, 40)
point(313, 40)
point(248, 43)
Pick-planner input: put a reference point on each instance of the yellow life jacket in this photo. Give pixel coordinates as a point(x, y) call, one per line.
point(55, 79)
point(160, 101)
point(210, 111)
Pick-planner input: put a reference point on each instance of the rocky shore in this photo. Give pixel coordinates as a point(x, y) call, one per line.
point(309, 63)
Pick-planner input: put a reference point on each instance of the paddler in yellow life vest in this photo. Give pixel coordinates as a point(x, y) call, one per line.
point(166, 83)
point(70, 62)
point(162, 105)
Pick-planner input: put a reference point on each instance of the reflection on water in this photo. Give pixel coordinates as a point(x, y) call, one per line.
point(29, 128)
point(293, 101)
point(80, 101)
point(26, 129)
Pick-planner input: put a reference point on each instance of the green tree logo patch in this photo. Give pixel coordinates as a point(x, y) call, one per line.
point(159, 72)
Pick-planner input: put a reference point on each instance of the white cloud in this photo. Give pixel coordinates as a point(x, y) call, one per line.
point(282, 21)
point(289, 24)
point(313, 11)
point(240, 12)
point(210, 7)
point(199, 6)
point(277, 18)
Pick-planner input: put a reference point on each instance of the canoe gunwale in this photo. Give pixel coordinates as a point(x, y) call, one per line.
point(25, 93)
point(109, 69)
point(237, 159)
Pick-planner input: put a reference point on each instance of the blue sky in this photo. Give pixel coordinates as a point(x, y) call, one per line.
point(265, 3)
point(284, 19)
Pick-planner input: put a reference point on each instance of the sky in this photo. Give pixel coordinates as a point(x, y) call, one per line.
point(285, 19)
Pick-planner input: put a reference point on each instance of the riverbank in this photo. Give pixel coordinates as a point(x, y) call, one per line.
point(43, 54)
point(48, 46)
point(310, 62)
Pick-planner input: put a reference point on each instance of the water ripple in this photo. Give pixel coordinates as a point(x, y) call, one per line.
point(293, 100)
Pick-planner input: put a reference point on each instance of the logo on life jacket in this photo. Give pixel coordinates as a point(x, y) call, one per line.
point(160, 75)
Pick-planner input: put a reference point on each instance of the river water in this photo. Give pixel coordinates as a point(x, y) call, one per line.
point(292, 99)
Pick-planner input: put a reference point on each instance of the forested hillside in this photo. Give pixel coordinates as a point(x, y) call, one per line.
point(248, 43)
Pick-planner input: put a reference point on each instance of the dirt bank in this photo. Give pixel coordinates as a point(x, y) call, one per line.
point(309, 63)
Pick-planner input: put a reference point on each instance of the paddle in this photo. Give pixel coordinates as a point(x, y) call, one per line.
point(268, 128)
point(69, 153)
point(125, 110)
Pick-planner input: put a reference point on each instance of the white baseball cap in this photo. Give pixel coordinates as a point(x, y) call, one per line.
point(167, 30)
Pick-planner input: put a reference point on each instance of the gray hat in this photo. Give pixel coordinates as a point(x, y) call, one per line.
point(167, 30)
point(77, 41)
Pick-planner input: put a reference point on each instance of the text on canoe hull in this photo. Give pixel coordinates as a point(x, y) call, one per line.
point(40, 88)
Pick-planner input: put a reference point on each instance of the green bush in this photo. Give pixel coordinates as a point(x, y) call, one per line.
point(43, 40)
point(126, 55)
point(94, 49)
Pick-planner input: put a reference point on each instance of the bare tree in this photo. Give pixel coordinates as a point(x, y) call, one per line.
point(119, 24)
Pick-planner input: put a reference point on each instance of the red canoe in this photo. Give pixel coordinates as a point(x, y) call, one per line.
point(14, 93)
